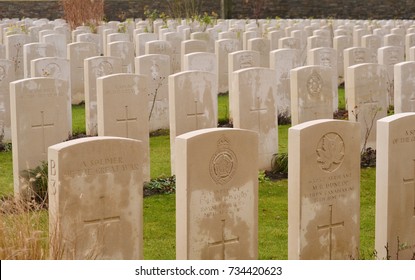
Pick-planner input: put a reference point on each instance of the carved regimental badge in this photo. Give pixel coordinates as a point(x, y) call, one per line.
point(104, 68)
point(314, 84)
point(223, 163)
point(330, 152)
point(52, 70)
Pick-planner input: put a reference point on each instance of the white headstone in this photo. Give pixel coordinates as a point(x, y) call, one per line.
point(96, 67)
point(282, 61)
point(324, 190)
point(39, 119)
point(157, 69)
point(6, 76)
point(217, 195)
point(395, 189)
point(77, 52)
point(96, 199)
point(122, 110)
point(255, 108)
point(193, 104)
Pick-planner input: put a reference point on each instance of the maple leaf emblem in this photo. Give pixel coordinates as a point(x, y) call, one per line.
point(330, 152)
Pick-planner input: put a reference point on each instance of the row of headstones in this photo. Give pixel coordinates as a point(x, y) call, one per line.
point(313, 88)
point(168, 41)
point(321, 56)
point(95, 193)
point(115, 106)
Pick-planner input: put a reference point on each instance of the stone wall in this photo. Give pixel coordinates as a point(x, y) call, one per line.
point(119, 9)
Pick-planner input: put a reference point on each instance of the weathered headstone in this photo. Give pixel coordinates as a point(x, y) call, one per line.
point(324, 190)
point(217, 195)
point(404, 87)
point(33, 51)
point(273, 37)
point(39, 119)
point(175, 39)
point(193, 104)
point(326, 57)
point(223, 48)
point(59, 42)
point(77, 52)
point(158, 47)
point(95, 199)
point(125, 51)
point(14, 52)
point(262, 46)
point(311, 94)
point(122, 110)
point(104, 32)
point(282, 61)
point(367, 95)
point(6, 76)
point(318, 42)
point(372, 42)
point(247, 35)
point(58, 68)
point(355, 55)
point(255, 108)
point(191, 46)
point(140, 42)
point(395, 188)
point(394, 40)
point(358, 33)
point(236, 61)
point(389, 56)
point(409, 43)
point(90, 38)
point(340, 43)
point(96, 67)
point(203, 61)
point(289, 43)
point(157, 69)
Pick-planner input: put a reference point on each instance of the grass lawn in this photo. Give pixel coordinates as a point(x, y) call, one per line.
point(159, 210)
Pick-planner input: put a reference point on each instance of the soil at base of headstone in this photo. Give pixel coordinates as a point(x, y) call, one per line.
point(341, 114)
point(275, 176)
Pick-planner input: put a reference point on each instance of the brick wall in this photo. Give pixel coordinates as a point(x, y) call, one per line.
point(114, 9)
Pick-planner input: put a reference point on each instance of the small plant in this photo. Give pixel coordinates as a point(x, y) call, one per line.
point(17, 29)
point(284, 118)
point(159, 81)
point(122, 28)
point(162, 185)
point(206, 20)
point(368, 158)
point(37, 182)
point(151, 16)
point(262, 177)
point(279, 166)
point(369, 124)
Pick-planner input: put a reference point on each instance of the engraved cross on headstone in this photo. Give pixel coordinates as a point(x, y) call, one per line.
point(102, 220)
point(330, 227)
point(42, 125)
point(223, 242)
point(411, 182)
point(126, 120)
point(196, 114)
point(257, 109)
